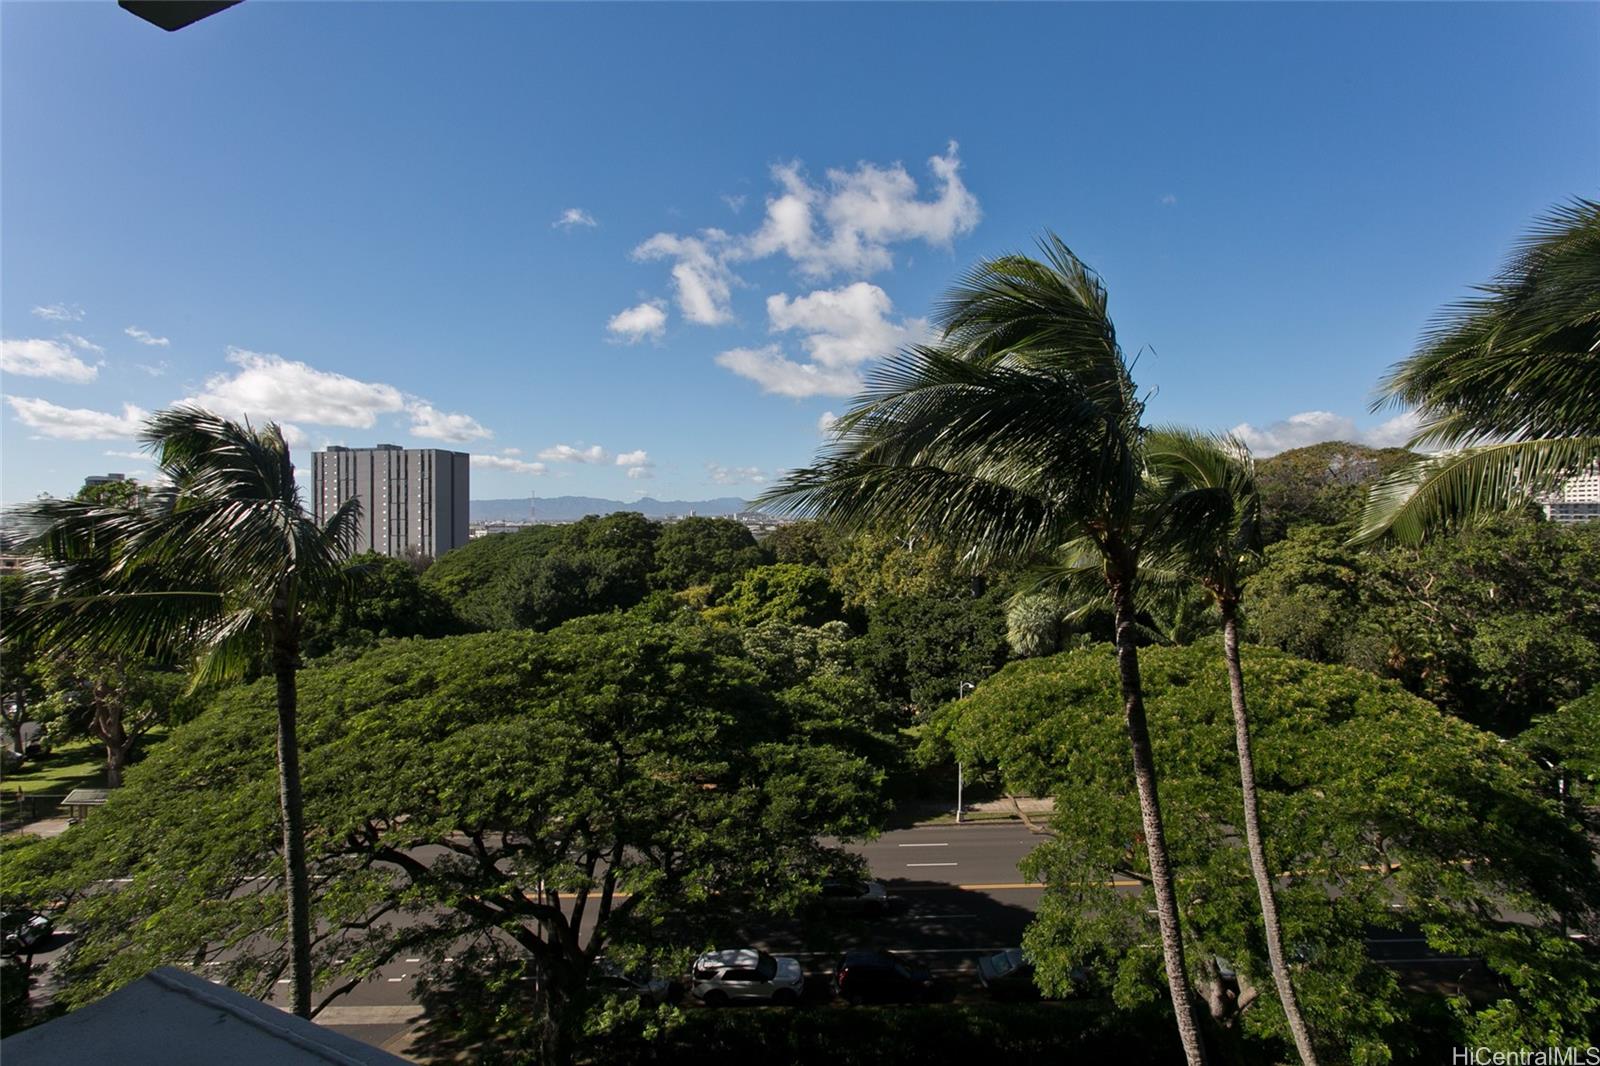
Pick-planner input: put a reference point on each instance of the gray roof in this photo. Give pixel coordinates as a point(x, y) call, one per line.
point(172, 1018)
point(87, 797)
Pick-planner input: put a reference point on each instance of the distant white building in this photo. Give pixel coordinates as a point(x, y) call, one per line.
point(1578, 499)
point(413, 500)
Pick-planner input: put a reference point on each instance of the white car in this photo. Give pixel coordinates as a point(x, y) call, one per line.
point(745, 975)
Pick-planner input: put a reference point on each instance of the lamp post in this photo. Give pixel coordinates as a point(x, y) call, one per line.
point(961, 693)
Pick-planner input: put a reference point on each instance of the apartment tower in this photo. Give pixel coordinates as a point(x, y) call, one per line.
point(413, 500)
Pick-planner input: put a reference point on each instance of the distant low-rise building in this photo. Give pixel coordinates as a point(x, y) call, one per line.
point(1578, 499)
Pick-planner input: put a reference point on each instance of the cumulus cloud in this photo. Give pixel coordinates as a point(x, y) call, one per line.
point(735, 475)
point(36, 358)
point(155, 370)
point(566, 453)
point(638, 464)
point(844, 327)
point(775, 372)
point(735, 203)
point(114, 454)
point(648, 319)
point(573, 217)
point(506, 462)
point(701, 277)
point(848, 222)
point(77, 423)
point(269, 386)
point(144, 336)
point(826, 421)
point(59, 312)
point(434, 424)
point(83, 344)
point(1168, 200)
point(1315, 427)
point(510, 451)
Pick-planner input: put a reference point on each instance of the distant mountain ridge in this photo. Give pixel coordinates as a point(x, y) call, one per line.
point(572, 508)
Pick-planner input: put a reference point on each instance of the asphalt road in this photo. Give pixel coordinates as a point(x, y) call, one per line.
point(964, 897)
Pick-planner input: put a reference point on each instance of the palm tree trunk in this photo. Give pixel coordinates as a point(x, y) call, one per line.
point(294, 835)
point(1144, 775)
point(1252, 837)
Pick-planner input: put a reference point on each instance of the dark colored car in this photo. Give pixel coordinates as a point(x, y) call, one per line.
point(860, 897)
point(24, 931)
point(879, 977)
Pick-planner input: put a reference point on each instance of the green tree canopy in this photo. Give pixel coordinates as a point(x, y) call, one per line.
point(1381, 813)
point(704, 551)
point(615, 786)
point(1323, 484)
point(1497, 625)
point(387, 599)
point(783, 592)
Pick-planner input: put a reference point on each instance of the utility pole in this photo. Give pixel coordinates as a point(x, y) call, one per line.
point(961, 694)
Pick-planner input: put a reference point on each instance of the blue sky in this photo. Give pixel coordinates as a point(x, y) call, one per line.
point(619, 250)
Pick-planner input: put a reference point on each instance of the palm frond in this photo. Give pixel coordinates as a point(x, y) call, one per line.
point(1465, 487)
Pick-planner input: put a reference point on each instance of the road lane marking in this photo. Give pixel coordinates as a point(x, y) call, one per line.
point(395, 980)
point(910, 865)
point(946, 844)
point(413, 960)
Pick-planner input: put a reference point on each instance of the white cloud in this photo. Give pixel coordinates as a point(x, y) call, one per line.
point(735, 203)
point(862, 212)
point(574, 216)
point(1168, 200)
point(776, 372)
point(649, 319)
point(114, 454)
point(845, 327)
point(826, 421)
point(38, 358)
point(503, 462)
point(272, 387)
point(735, 475)
point(510, 451)
point(76, 423)
point(60, 312)
point(144, 336)
point(1315, 427)
point(566, 453)
point(638, 464)
point(154, 370)
point(428, 421)
point(700, 273)
point(83, 344)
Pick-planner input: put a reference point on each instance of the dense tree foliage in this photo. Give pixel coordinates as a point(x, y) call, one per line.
point(114, 701)
point(1324, 484)
point(919, 649)
point(1570, 740)
point(783, 592)
point(704, 551)
point(1497, 625)
point(1414, 820)
point(387, 599)
point(614, 786)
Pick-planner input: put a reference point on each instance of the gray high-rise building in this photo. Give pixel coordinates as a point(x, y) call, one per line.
point(413, 500)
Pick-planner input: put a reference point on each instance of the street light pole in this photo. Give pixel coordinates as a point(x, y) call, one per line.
point(961, 693)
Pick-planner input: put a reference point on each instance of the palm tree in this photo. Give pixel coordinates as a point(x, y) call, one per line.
point(1212, 535)
point(220, 563)
point(1020, 433)
point(1508, 382)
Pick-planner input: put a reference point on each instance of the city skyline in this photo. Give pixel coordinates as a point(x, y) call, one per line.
point(625, 282)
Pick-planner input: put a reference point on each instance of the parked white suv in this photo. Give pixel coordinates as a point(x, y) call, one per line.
point(745, 974)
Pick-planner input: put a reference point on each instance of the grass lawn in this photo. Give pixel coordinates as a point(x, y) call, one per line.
point(78, 764)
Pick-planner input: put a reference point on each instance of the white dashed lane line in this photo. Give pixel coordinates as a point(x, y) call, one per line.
point(913, 865)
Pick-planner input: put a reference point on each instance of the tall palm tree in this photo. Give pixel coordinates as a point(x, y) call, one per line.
point(1212, 535)
point(220, 564)
point(1508, 382)
point(1019, 433)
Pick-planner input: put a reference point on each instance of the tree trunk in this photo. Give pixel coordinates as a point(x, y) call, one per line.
point(294, 835)
point(1144, 774)
point(108, 724)
point(1252, 836)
